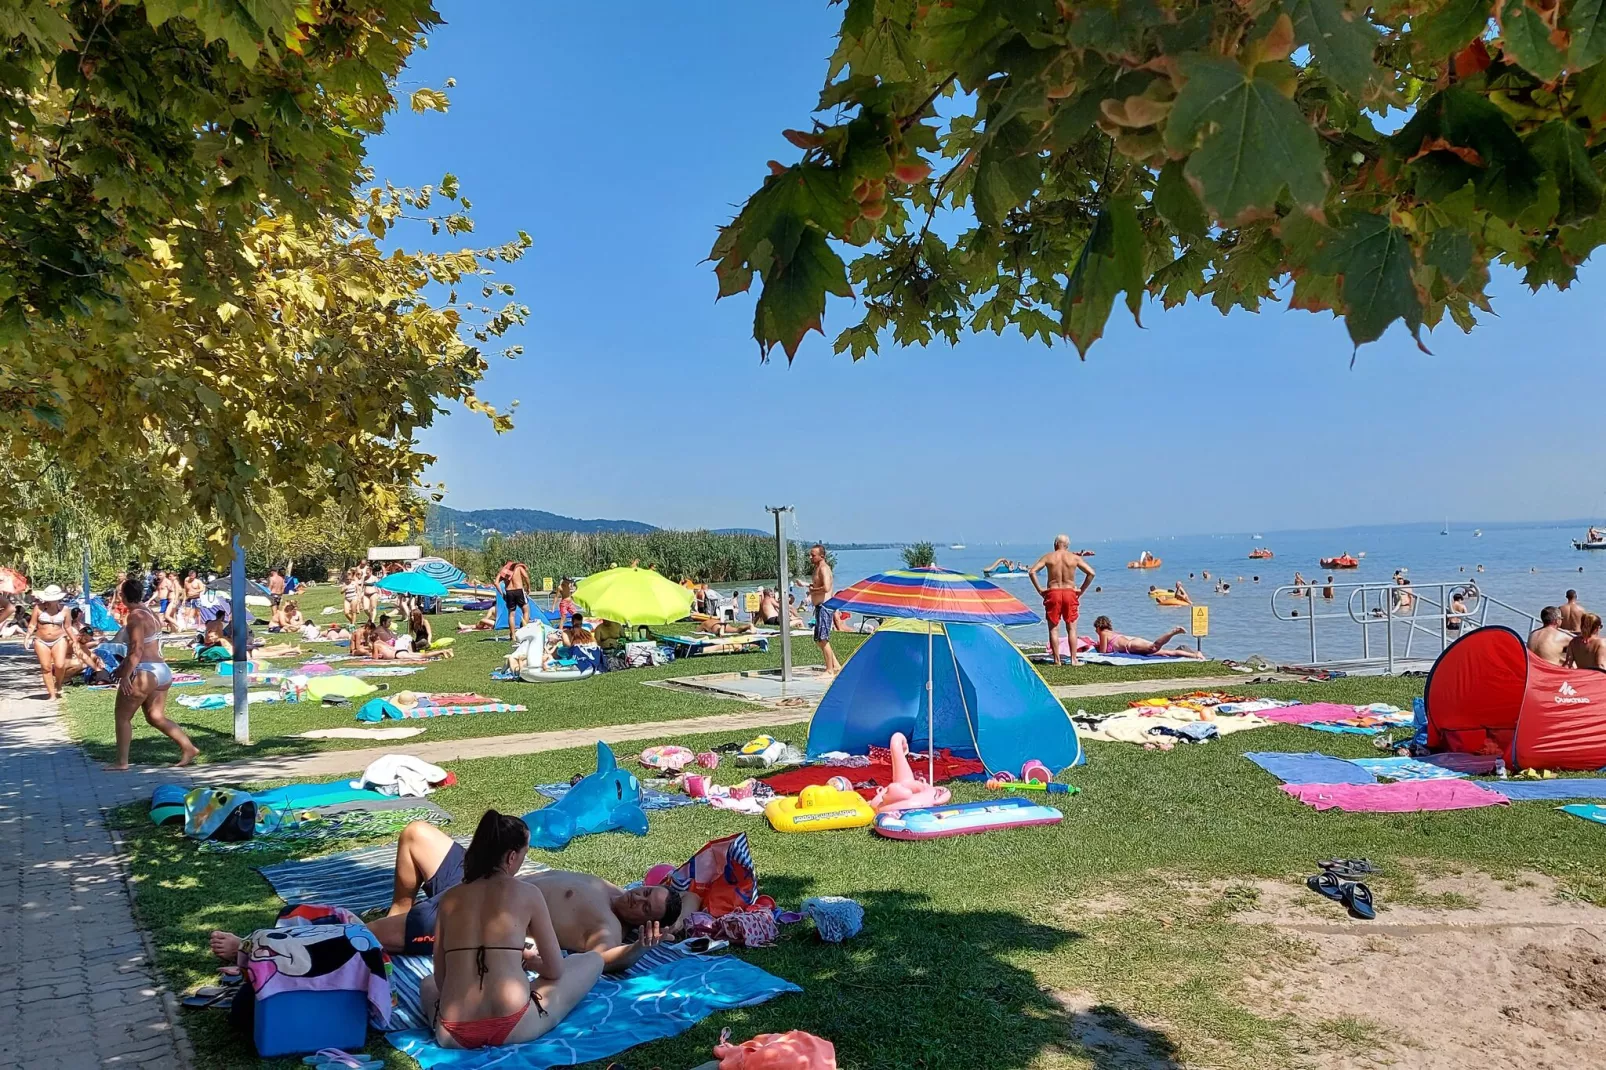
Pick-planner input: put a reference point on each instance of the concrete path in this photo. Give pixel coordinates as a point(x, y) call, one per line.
point(77, 985)
point(334, 763)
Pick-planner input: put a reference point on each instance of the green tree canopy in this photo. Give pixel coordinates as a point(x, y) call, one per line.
point(1097, 149)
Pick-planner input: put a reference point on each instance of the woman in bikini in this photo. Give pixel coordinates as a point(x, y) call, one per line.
point(47, 631)
point(479, 995)
point(142, 682)
point(352, 592)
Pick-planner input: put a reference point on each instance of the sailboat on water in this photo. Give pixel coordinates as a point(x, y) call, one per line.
point(960, 545)
point(1446, 530)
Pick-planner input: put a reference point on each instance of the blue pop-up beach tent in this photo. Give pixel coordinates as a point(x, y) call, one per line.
point(988, 703)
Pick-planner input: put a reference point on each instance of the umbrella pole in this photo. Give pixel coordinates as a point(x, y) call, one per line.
point(931, 731)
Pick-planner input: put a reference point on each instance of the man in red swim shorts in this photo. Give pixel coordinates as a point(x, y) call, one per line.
point(1062, 599)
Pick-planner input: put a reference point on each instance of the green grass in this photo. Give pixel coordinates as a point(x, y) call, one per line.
point(997, 950)
point(610, 698)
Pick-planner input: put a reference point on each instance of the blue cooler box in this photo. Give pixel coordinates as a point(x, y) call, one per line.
point(296, 1023)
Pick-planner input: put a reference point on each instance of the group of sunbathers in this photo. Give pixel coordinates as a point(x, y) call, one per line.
point(485, 926)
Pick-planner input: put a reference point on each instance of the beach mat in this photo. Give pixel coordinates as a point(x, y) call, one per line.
point(664, 994)
point(1406, 769)
point(1402, 798)
point(1090, 657)
point(1588, 811)
point(1549, 790)
point(359, 880)
point(1303, 768)
point(651, 797)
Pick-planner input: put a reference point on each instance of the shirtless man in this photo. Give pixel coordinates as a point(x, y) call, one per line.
point(1062, 599)
point(588, 913)
point(1111, 641)
point(275, 586)
point(1548, 642)
point(1588, 650)
point(1571, 615)
point(514, 579)
point(821, 587)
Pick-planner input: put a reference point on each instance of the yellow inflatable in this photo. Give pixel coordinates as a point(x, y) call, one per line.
point(818, 808)
point(1147, 562)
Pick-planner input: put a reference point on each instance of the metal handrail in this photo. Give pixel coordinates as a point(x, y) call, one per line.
point(1372, 604)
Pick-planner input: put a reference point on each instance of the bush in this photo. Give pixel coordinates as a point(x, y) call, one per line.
point(919, 555)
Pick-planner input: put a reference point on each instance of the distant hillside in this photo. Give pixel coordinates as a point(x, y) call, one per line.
point(470, 525)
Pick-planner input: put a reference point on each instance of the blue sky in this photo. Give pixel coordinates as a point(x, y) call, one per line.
point(620, 136)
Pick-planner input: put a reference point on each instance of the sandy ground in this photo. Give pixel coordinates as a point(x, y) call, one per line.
point(1517, 977)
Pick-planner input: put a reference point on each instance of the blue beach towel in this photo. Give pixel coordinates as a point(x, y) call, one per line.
point(1405, 769)
point(1548, 790)
point(360, 880)
point(664, 994)
point(1297, 768)
point(651, 798)
point(1588, 811)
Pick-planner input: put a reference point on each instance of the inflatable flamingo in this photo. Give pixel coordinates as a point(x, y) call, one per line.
point(905, 792)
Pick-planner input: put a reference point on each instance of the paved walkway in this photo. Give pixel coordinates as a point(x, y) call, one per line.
point(77, 986)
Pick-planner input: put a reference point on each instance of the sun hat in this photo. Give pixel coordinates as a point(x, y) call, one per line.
point(50, 594)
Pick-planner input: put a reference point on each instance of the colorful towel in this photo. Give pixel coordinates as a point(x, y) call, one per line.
point(355, 824)
point(1475, 764)
point(1406, 769)
point(664, 994)
point(1300, 768)
point(876, 774)
point(722, 875)
point(453, 711)
point(1541, 790)
point(1588, 811)
point(1402, 798)
point(651, 798)
point(360, 880)
point(1311, 713)
point(383, 670)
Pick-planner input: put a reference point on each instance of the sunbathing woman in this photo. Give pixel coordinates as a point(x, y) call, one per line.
point(142, 681)
point(479, 995)
point(383, 645)
point(47, 630)
point(418, 627)
point(1111, 641)
point(486, 623)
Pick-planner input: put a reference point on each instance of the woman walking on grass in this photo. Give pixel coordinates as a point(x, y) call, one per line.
point(142, 681)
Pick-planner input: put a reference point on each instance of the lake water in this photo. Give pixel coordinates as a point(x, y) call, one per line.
point(1527, 566)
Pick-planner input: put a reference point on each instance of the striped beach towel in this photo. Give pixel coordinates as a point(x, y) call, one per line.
point(453, 711)
point(360, 880)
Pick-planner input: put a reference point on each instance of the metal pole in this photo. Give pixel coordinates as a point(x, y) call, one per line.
point(784, 595)
point(85, 591)
point(242, 632)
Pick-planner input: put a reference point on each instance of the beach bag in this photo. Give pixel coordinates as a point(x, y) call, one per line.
point(378, 709)
point(225, 814)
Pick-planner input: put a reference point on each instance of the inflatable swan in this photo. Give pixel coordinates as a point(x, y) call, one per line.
point(905, 792)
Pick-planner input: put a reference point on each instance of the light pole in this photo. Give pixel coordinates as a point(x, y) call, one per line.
point(242, 635)
point(784, 593)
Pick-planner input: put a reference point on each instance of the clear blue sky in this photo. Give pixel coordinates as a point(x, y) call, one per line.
point(620, 136)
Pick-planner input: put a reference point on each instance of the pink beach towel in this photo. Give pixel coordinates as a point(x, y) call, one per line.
point(1405, 797)
point(1309, 713)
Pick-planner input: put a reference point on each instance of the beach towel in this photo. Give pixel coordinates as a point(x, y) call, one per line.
point(1311, 712)
point(1588, 811)
point(347, 825)
point(384, 670)
point(361, 733)
point(873, 774)
point(651, 798)
point(1300, 768)
point(1542, 790)
point(1401, 798)
point(1406, 769)
point(219, 702)
point(454, 711)
point(360, 880)
point(1093, 657)
point(1475, 764)
point(1138, 728)
point(664, 994)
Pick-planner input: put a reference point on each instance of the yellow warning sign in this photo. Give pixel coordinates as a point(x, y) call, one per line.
point(1201, 621)
point(751, 601)
point(546, 583)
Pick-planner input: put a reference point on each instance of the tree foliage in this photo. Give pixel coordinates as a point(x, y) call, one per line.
point(196, 309)
point(919, 555)
point(1210, 149)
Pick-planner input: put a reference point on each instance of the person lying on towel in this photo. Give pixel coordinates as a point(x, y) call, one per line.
point(1111, 641)
point(587, 912)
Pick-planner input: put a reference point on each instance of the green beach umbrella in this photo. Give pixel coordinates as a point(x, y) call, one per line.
point(633, 596)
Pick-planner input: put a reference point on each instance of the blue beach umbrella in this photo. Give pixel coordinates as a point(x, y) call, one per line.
point(438, 568)
point(413, 583)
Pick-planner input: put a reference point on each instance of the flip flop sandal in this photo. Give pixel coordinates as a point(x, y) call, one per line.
point(1358, 898)
point(210, 997)
point(1347, 867)
point(1351, 870)
point(1326, 885)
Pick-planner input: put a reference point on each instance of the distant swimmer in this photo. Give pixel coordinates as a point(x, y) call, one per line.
point(1111, 641)
point(1478, 569)
point(1301, 585)
point(1062, 599)
point(1588, 650)
point(1548, 642)
point(1003, 564)
point(1204, 575)
point(1222, 586)
point(1327, 592)
point(1571, 614)
point(1404, 599)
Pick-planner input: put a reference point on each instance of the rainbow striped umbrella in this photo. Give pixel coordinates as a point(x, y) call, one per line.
point(932, 593)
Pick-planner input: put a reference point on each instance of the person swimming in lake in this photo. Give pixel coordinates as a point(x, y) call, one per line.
point(1110, 641)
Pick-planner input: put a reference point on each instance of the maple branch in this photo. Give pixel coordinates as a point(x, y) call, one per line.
point(913, 117)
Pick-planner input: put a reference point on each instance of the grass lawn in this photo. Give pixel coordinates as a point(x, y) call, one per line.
point(610, 698)
point(994, 951)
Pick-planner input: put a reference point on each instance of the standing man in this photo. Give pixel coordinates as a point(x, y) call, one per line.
point(1548, 642)
point(1571, 615)
point(275, 586)
point(1062, 599)
point(821, 587)
point(514, 579)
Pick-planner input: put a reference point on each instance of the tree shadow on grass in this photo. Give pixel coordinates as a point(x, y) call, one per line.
point(926, 987)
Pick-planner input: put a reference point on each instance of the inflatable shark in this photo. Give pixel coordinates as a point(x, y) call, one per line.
point(610, 798)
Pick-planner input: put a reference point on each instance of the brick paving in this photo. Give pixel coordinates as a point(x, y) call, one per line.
point(77, 986)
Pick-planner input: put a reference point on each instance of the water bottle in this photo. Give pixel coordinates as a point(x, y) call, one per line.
point(1500, 768)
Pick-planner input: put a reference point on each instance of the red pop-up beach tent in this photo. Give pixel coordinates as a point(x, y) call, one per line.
point(1488, 695)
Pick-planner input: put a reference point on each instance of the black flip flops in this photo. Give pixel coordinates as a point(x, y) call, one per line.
point(1347, 867)
point(1326, 885)
point(1356, 897)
